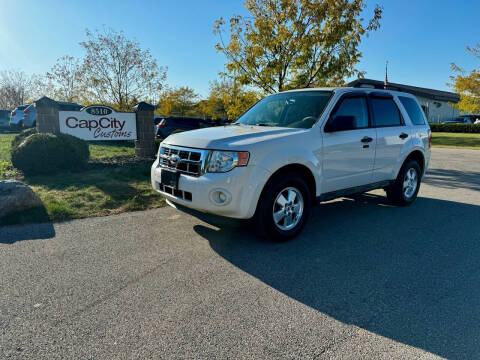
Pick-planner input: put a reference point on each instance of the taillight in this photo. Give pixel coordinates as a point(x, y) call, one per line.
point(161, 124)
point(26, 111)
point(429, 139)
point(13, 113)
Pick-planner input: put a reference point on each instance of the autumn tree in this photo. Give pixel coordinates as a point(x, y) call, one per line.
point(179, 101)
point(118, 71)
point(286, 44)
point(227, 99)
point(467, 85)
point(66, 79)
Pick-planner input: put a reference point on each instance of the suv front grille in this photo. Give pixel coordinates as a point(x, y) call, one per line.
point(186, 161)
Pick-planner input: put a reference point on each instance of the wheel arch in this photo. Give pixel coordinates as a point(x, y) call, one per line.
point(302, 170)
point(419, 157)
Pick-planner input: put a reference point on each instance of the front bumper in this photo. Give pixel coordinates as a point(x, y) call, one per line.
point(242, 187)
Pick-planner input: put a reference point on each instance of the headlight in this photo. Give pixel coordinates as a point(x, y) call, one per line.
point(223, 161)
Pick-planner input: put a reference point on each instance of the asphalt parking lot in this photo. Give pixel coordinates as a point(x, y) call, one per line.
point(365, 280)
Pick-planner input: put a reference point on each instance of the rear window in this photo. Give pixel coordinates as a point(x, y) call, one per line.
point(385, 112)
point(414, 111)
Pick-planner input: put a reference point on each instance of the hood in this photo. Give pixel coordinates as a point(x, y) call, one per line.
point(232, 137)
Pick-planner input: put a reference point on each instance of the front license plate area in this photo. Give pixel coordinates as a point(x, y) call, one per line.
point(170, 178)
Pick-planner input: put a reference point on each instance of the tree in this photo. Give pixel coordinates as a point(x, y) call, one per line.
point(289, 44)
point(117, 70)
point(179, 101)
point(227, 99)
point(66, 78)
point(468, 85)
point(16, 88)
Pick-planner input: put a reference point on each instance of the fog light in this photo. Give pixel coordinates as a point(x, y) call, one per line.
point(220, 197)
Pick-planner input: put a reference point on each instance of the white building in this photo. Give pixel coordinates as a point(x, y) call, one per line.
point(435, 103)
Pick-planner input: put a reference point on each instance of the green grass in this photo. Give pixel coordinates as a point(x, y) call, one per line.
point(97, 192)
point(106, 149)
point(456, 140)
point(5, 141)
point(98, 150)
point(91, 193)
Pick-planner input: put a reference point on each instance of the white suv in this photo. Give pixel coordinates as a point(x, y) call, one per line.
point(296, 147)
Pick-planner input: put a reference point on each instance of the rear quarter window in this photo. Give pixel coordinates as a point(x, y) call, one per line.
point(415, 113)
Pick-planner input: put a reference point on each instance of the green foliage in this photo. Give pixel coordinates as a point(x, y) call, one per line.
point(286, 44)
point(456, 128)
point(179, 101)
point(227, 99)
point(467, 85)
point(17, 140)
point(49, 153)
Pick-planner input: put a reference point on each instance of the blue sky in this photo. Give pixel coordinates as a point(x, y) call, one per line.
point(420, 38)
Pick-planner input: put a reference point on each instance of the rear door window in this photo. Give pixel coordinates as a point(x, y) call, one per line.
point(414, 111)
point(385, 112)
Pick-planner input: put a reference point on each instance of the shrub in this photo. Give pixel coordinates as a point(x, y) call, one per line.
point(456, 128)
point(43, 153)
point(17, 140)
point(80, 150)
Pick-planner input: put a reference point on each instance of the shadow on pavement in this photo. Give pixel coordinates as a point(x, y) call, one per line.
point(453, 179)
point(12, 234)
point(408, 274)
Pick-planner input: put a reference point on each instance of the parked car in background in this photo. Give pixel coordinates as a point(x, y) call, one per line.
point(29, 116)
point(4, 119)
point(168, 125)
point(463, 119)
point(156, 121)
point(68, 106)
point(25, 116)
point(16, 117)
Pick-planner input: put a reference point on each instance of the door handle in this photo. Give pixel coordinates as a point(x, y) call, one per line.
point(403, 136)
point(366, 139)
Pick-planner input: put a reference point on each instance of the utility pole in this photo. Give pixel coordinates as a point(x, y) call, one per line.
point(385, 83)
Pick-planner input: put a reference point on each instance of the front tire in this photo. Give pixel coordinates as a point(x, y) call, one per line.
point(405, 189)
point(284, 207)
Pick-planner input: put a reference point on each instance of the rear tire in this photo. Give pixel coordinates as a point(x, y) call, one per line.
point(283, 208)
point(405, 189)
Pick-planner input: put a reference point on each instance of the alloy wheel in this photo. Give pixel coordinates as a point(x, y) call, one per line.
point(288, 208)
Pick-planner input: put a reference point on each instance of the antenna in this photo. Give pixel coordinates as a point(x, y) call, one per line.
point(385, 84)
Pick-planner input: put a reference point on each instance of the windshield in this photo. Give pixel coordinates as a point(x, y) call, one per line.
point(299, 109)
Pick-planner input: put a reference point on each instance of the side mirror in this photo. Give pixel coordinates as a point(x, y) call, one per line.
point(340, 123)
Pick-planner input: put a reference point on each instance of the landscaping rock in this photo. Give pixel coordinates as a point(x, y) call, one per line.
point(16, 196)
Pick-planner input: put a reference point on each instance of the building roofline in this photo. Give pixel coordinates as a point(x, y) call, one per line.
point(417, 91)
